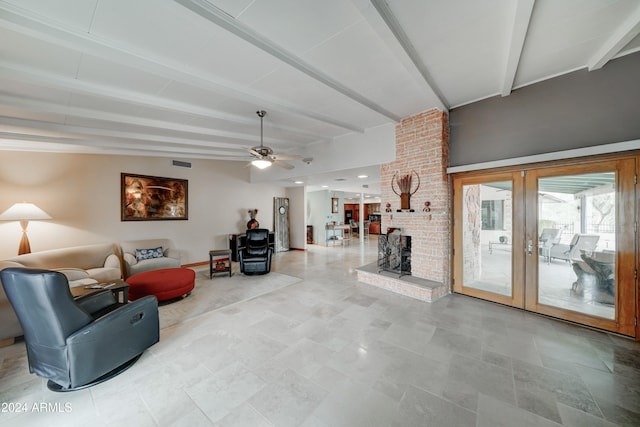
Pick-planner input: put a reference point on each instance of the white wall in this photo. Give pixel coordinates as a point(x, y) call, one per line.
point(82, 194)
point(373, 147)
point(319, 212)
point(297, 214)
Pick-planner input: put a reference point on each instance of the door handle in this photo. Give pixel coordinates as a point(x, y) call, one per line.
point(530, 247)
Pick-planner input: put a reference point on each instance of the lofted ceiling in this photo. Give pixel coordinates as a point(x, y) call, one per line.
point(184, 78)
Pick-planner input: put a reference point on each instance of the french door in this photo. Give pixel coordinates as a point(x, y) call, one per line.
point(557, 240)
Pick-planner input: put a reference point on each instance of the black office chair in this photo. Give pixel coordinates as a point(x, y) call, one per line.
point(255, 258)
point(77, 343)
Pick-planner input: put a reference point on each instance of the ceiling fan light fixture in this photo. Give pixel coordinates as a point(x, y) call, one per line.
point(261, 163)
point(263, 156)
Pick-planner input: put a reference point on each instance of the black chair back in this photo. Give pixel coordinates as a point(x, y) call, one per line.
point(257, 242)
point(255, 258)
point(47, 313)
point(77, 343)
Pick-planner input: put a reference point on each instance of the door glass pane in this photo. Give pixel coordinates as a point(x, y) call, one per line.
point(577, 243)
point(486, 233)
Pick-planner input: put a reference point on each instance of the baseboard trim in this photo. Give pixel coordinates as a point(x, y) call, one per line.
point(201, 263)
point(195, 264)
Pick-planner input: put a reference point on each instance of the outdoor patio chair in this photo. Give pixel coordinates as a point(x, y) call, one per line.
point(548, 238)
point(571, 252)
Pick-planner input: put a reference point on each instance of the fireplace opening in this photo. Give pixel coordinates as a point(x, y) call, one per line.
point(394, 252)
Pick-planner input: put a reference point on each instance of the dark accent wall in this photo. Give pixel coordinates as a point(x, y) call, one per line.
point(576, 110)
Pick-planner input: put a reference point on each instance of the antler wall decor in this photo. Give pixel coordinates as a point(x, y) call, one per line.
point(404, 184)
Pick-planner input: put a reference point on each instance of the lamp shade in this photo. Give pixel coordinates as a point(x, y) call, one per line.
point(23, 212)
point(261, 163)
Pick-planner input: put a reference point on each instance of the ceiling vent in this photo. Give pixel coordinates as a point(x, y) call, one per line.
point(181, 164)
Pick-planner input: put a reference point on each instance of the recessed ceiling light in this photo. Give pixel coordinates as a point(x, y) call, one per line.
point(325, 186)
point(363, 176)
point(298, 182)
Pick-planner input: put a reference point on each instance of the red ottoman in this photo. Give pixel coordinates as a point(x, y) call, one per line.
point(165, 284)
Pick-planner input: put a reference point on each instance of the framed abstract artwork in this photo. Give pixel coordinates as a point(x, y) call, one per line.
point(153, 198)
point(334, 205)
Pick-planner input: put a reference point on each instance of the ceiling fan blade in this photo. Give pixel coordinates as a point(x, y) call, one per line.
point(282, 164)
point(286, 157)
point(254, 153)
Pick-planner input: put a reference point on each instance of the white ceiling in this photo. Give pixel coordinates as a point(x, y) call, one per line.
point(183, 78)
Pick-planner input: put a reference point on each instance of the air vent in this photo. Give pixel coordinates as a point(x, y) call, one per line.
point(181, 164)
point(365, 185)
point(340, 179)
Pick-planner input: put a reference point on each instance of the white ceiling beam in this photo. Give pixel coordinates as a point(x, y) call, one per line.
point(25, 22)
point(13, 142)
point(13, 106)
point(70, 136)
point(47, 79)
point(219, 17)
point(26, 125)
point(404, 45)
point(522, 11)
point(629, 29)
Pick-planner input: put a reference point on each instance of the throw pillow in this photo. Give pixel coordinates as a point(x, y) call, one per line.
point(142, 254)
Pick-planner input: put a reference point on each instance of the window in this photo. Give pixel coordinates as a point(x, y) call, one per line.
point(493, 214)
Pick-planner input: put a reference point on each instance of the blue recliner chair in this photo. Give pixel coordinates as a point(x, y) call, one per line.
point(255, 258)
point(77, 343)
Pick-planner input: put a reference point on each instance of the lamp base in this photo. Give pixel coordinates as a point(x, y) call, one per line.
point(25, 247)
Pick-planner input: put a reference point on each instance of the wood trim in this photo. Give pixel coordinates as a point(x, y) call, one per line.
point(637, 244)
point(195, 264)
point(626, 257)
point(206, 263)
point(628, 296)
point(625, 261)
point(614, 149)
point(583, 319)
point(456, 238)
point(517, 273)
point(551, 164)
point(7, 342)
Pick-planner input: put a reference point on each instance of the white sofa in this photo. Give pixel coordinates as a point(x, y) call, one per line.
point(81, 264)
point(134, 264)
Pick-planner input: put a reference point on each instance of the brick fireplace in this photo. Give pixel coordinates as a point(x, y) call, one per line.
point(422, 145)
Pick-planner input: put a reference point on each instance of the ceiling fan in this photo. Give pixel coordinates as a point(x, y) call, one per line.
point(264, 156)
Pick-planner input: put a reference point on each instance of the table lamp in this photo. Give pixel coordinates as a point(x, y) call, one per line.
point(24, 212)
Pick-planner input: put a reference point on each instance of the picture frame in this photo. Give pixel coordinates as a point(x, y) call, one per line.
point(153, 198)
point(334, 205)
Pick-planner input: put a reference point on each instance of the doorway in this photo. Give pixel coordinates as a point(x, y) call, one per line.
point(559, 240)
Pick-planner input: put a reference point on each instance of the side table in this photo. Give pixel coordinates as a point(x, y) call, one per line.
point(219, 255)
point(119, 288)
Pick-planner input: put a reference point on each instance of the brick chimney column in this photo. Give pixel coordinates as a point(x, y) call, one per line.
point(422, 145)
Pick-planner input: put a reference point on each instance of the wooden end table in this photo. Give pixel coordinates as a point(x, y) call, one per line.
point(223, 255)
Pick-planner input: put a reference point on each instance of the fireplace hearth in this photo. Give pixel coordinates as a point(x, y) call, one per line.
point(394, 252)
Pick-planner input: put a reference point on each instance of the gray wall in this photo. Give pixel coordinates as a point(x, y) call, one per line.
point(576, 110)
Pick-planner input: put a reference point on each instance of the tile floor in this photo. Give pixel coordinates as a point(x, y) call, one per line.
point(329, 351)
